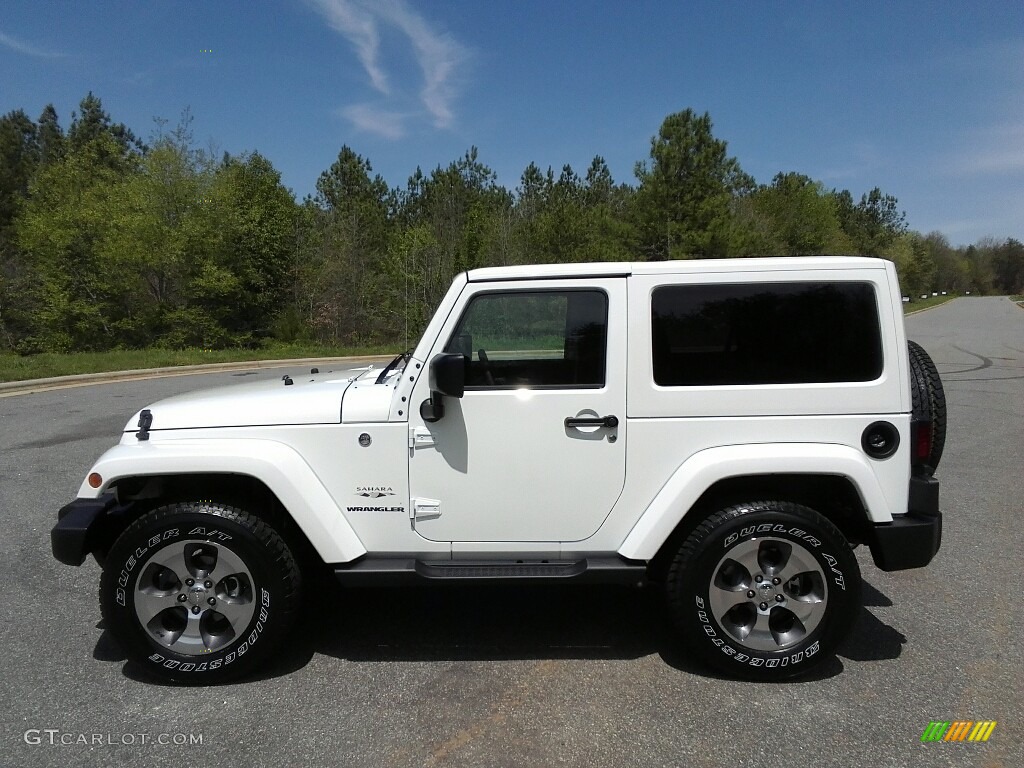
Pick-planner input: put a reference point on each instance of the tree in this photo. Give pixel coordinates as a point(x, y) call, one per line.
point(561, 226)
point(610, 235)
point(569, 219)
point(981, 274)
point(800, 214)
point(356, 202)
point(682, 207)
point(68, 300)
point(751, 232)
point(874, 223)
point(459, 203)
point(456, 219)
point(951, 269)
point(19, 158)
point(157, 244)
point(1008, 265)
point(914, 263)
point(344, 257)
point(245, 282)
point(51, 136)
point(599, 186)
point(91, 124)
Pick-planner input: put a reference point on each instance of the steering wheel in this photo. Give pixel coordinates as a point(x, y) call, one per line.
point(403, 357)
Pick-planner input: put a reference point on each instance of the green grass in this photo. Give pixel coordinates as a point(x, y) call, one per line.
point(931, 301)
point(17, 368)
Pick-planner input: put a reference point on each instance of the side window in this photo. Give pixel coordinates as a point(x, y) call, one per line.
point(533, 339)
point(775, 333)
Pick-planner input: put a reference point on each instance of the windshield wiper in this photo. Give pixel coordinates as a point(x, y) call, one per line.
point(403, 357)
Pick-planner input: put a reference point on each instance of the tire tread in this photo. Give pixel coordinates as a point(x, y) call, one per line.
point(928, 398)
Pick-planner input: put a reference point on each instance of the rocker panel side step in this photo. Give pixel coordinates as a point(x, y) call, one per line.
point(392, 570)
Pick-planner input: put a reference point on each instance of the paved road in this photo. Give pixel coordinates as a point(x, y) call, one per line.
point(527, 677)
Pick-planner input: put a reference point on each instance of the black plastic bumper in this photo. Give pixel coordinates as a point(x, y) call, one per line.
point(80, 528)
point(910, 540)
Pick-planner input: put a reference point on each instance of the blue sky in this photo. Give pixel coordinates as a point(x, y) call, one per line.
point(923, 99)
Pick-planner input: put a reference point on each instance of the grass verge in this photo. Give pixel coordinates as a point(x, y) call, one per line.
point(18, 368)
point(931, 301)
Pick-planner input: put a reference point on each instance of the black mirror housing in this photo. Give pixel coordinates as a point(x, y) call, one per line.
point(432, 409)
point(448, 374)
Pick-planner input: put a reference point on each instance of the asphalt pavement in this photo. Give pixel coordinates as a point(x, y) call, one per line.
point(530, 676)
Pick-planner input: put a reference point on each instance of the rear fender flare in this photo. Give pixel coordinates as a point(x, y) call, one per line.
point(705, 468)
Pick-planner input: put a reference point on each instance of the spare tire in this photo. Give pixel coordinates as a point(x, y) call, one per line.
point(928, 400)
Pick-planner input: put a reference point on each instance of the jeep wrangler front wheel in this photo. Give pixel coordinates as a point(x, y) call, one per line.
point(764, 590)
point(199, 592)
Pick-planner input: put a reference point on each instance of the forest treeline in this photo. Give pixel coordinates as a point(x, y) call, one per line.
point(107, 241)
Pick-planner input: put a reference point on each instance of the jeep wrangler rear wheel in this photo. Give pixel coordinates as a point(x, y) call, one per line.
point(764, 590)
point(199, 592)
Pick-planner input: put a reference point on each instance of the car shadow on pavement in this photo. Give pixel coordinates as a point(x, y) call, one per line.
point(871, 638)
point(475, 623)
point(499, 623)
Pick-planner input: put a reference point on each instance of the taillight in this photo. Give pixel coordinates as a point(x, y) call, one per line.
point(922, 442)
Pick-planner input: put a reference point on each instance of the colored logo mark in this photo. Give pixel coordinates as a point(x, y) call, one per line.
point(959, 730)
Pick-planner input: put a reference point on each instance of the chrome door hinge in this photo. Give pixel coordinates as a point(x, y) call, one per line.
point(425, 509)
point(420, 437)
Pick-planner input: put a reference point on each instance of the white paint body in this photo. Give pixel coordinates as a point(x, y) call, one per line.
point(500, 474)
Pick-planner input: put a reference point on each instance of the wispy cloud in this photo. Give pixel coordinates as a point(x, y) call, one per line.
point(381, 122)
point(20, 46)
point(357, 23)
point(855, 162)
point(993, 143)
point(438, 55)
point(995, 149)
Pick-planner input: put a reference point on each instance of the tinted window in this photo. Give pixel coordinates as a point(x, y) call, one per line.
point(533, 339)
point(779, 333)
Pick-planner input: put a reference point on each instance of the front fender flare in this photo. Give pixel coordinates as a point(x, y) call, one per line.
point(702, 470)
point(275, 464)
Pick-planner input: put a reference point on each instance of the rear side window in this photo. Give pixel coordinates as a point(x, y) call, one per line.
point(765, 333)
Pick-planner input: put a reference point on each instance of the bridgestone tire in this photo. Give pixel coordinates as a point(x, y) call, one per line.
point(764, 590)
point(928, 399)
point(199, 592)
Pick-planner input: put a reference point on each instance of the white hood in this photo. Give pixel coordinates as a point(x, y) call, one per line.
point(259, 403)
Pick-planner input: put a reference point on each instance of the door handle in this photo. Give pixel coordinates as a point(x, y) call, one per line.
point(611, 422)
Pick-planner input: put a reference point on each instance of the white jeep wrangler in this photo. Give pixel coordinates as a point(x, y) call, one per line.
point(729, 429)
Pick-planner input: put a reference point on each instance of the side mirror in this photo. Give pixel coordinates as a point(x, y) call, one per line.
point(446, 376)
point(432, 409)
